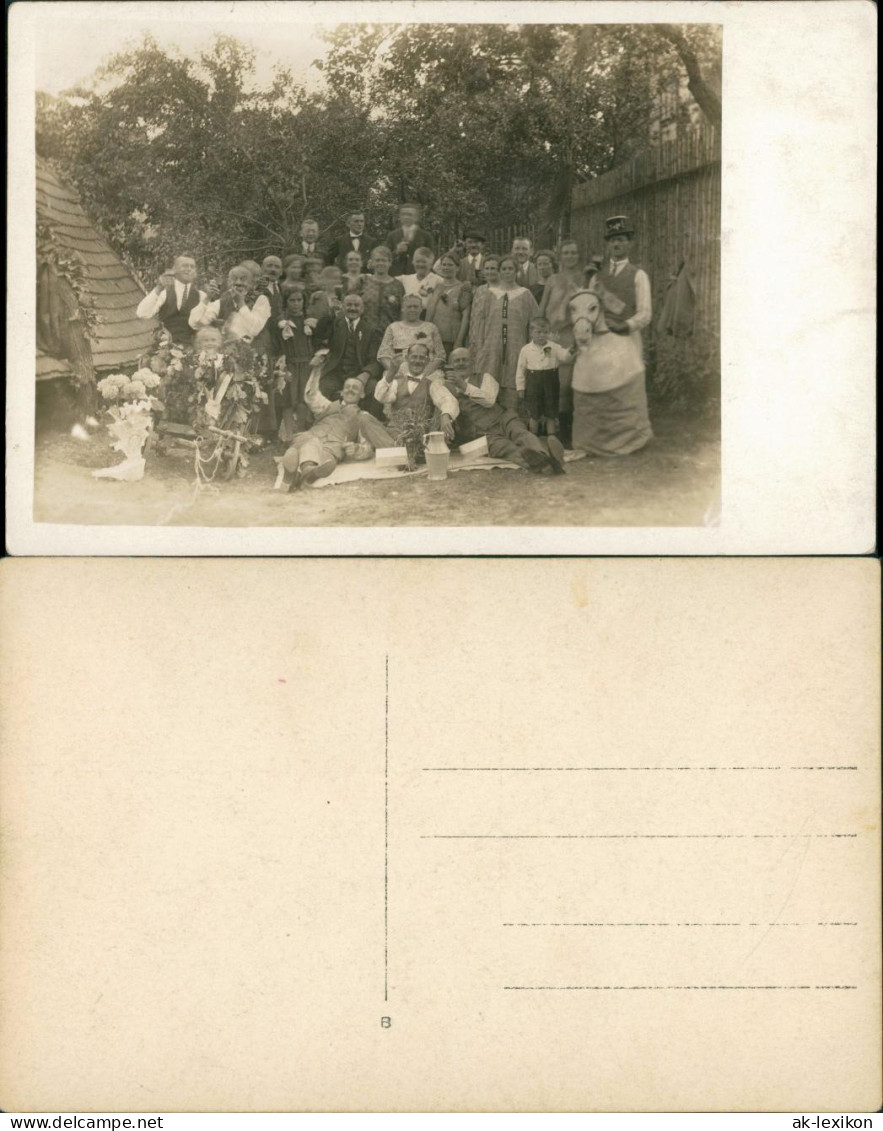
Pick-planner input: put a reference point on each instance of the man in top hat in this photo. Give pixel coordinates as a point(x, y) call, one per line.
point(623, 288)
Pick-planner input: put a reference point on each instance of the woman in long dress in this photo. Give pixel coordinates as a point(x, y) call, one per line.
point(448, 306)
point(504, 329)
point(481, 302)
point(555, 305)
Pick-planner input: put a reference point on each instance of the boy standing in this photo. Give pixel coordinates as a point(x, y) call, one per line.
point(536, 376)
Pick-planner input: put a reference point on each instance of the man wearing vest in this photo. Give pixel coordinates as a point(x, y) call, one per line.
point(352, 343)
point(614, 420)
point(173, 298)
point(508, 437)
point(409, 391)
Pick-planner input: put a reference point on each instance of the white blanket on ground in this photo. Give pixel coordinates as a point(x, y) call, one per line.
point(350, 471)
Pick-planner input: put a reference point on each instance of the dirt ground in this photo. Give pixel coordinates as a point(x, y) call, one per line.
point(674, 481)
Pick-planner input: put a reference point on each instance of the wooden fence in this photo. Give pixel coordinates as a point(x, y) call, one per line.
point(672, 194)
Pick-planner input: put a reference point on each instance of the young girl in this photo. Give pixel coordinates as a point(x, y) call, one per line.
point(297, 348)
point(506, 327)
point(352, 282)
point(448, 306)
point(381, 293)
point(545, 265)
point(560, 289)
point(400, 336)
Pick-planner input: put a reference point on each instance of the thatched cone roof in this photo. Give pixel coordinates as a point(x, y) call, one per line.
point(120, 337)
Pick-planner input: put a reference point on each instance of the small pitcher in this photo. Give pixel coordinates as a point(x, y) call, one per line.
point(437, 455)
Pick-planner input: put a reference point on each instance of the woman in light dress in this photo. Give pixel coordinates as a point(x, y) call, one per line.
point(501, 327)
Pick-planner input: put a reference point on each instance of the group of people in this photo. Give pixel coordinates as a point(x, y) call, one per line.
point(375, 335)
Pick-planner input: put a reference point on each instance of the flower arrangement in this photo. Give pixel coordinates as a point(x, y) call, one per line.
point(120, 388)
point(131, 414)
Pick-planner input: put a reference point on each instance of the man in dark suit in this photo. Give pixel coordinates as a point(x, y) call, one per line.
point(404, 240)
point(472, 262)
point(352, 342)
point(525, 272)
point(308, 244)
point(356, 239)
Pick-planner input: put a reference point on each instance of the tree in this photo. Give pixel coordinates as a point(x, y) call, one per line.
point(172, 154)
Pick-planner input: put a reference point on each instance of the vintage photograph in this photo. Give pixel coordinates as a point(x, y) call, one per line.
point(377, 274)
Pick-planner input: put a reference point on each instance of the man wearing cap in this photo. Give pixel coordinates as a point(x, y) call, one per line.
point(472, 262)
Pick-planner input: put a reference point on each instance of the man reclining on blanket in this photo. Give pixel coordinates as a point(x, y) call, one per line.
point(341, 431)
point(508, 437)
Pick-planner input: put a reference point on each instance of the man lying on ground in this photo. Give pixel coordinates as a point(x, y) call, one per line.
point(508, 437)
point(341, 431)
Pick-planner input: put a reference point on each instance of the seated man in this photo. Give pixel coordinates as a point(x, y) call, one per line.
point(352, 342)
point(239, 311)
point(173, 298)
point(341, 431)
point(415, 398)
point(508, 437)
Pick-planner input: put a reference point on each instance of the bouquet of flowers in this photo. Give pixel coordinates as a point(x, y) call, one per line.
point(131, 409)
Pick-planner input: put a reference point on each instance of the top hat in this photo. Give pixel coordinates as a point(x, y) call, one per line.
point(618, 226)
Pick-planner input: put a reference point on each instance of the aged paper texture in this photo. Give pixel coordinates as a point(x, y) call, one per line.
point(440, 836)
point(797, 240)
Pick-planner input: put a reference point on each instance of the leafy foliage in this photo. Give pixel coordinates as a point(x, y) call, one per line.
point(70, 267)
point(482, 123)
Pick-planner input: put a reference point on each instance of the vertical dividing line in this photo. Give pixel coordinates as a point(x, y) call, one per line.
point(386, 837)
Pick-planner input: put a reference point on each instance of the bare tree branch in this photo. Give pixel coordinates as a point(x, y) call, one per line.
point(708, 99)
